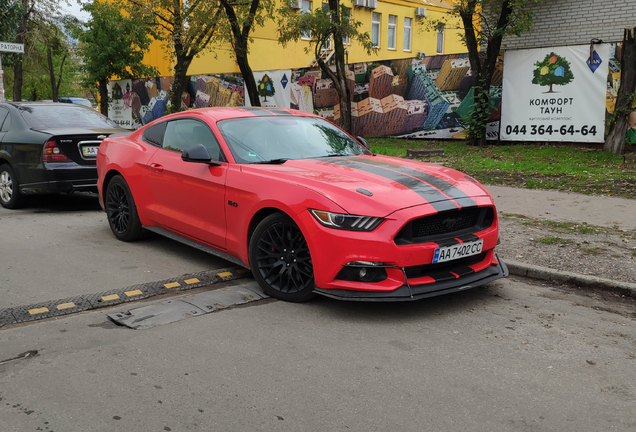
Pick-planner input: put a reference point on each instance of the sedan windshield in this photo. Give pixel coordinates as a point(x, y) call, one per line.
point(64, 116)
point(277, 139)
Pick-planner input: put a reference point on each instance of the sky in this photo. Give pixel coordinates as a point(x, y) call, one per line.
point(75, 9)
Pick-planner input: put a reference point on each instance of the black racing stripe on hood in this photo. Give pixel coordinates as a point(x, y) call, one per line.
point(452, 191)
point(435, 198)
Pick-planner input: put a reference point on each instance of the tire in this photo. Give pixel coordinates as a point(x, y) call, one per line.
point(280, 259)
point(121, 211)
point(10, 196)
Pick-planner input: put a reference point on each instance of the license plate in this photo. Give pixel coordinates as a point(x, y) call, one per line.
point(449, 253)
point(90, 151)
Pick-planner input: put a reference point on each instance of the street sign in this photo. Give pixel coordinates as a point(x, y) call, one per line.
point(11, 47)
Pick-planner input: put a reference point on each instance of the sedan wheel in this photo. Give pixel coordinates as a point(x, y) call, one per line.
point(121, 211)
point(10, 196)
point(280, 259)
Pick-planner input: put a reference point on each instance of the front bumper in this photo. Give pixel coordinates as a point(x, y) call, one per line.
point(416, 292)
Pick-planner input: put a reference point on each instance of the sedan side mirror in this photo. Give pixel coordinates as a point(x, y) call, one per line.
point(198, 153)
point(364, 142)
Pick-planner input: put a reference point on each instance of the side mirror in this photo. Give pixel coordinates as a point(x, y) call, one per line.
point(364, 142)
point(198, 153)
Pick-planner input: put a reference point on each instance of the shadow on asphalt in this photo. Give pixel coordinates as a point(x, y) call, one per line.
point(61, 203)
point(364, 312)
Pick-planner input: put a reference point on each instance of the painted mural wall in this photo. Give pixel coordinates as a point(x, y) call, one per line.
point(418, 98)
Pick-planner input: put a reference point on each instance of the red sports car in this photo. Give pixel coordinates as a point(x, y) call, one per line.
point(303, 204)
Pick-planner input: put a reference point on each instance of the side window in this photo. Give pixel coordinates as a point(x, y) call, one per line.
point(184, 133)
point(4, 114)
point(154, 134)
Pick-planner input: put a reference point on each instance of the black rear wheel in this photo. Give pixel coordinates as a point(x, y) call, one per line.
point(10, 196)
point(121, 210)
point(280, 260)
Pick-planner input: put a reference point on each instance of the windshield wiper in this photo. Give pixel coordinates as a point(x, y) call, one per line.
point(272, 161)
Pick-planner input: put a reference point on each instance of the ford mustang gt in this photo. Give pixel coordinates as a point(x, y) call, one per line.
point(308, 208)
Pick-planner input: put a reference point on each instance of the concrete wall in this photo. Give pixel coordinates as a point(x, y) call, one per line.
point(576, 22)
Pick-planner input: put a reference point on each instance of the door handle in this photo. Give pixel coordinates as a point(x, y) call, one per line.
point(156, 167)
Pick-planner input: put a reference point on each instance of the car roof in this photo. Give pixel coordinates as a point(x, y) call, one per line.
point(223, 113)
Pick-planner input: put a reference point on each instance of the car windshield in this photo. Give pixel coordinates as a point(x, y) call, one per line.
point(277, 139)
point(64, 116)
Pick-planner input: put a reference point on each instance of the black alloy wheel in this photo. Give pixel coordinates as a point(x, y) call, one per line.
point(121, 210)
point(280, 259)
point(10, 196)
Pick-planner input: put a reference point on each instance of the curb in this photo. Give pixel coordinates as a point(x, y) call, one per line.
point(581, 281)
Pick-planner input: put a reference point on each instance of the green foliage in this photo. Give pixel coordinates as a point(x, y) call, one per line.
point(321, 25)
point(554, 69)
point(113, 45)
point(10, 19)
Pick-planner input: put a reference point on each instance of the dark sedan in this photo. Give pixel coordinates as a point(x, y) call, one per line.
point(48, 147)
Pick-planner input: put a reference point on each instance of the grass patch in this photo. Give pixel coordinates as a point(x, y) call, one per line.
point(592, 251)
point(530, 166)
point(553, 240)
point(634, 253)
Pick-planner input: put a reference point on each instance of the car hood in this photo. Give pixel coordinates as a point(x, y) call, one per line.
point(379, 185)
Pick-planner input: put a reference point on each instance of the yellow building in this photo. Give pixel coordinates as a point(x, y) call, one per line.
point(394, 25)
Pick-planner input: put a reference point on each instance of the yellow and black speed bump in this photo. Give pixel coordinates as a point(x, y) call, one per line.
point(116, 296)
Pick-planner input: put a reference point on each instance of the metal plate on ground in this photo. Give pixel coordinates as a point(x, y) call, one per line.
point(193, 305)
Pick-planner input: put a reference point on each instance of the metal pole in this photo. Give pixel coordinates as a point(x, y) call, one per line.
point(1, 81)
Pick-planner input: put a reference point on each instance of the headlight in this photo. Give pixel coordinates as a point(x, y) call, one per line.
point(346, 221)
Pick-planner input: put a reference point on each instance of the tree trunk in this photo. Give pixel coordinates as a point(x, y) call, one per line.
point(180, 78)
point(615, 141)
point(103, 97)
point(49, 58)
point(482, 73)
point(17, 78)
point(248, 75)
point(241, 39)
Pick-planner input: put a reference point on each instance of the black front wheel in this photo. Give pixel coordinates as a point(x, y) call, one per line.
point(121, 210)
point(280, 260)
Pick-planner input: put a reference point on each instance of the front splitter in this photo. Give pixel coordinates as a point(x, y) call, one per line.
point(418, 292)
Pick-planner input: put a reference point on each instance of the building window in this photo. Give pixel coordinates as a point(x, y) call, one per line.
point(392, 31)
point(440, 39)
point(306, 9)
point(407, 33)
point(375, 30)
point(347, 14)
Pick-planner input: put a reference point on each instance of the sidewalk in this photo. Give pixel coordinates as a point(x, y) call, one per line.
point(567, 207)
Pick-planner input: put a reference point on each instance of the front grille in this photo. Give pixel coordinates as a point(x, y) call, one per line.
point(434, 270)
point(447, 224)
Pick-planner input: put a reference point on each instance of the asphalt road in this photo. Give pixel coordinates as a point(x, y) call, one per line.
point(511, 356)
point(508, 357)
point(61, 246)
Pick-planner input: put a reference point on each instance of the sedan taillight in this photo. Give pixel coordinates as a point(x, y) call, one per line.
point(52, 153)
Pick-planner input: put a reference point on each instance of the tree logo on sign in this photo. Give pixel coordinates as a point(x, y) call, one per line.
point(553, 70)
point(266, 87)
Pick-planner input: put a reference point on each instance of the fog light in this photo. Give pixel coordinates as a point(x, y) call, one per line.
point(362, 273)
